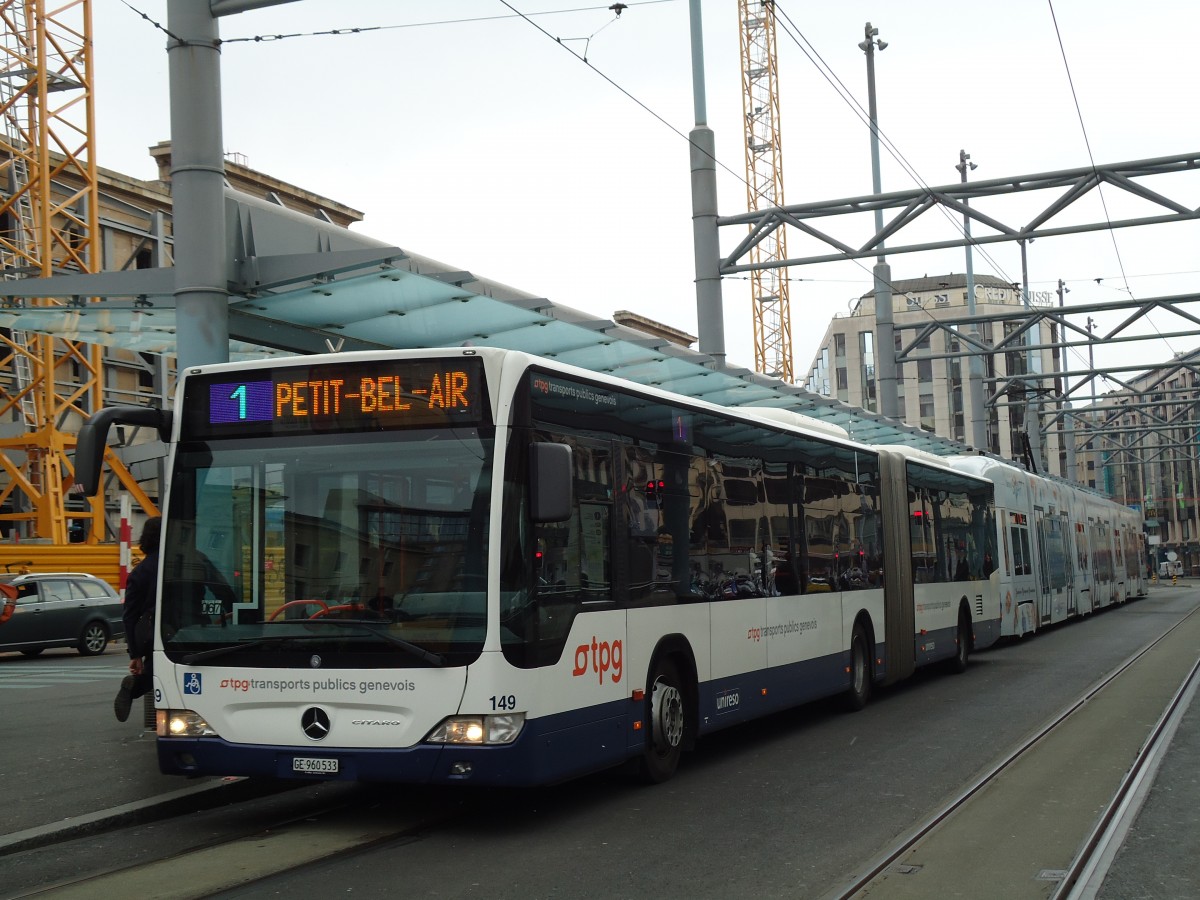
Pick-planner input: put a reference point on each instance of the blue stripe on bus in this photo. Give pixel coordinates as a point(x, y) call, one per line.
point(551, 748)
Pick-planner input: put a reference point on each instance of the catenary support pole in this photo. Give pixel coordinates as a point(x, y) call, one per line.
point(1033, 365)
point(197, 184)
point(974, 361)
point(710, 316)
point(885, 339)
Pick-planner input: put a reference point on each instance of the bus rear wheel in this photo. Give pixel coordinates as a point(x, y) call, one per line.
point(667, 721)
point(962, 652)
point(860, 671)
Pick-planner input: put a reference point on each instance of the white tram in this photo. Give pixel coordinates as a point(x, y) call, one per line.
point(1064, 551)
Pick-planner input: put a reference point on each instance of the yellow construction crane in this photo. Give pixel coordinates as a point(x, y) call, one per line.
point(764, 188)
point(48, 225)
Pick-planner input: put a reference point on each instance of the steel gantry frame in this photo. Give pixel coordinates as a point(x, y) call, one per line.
point(965, 199)
point(1072, 186)
point(769, 294)
point(1028, 322)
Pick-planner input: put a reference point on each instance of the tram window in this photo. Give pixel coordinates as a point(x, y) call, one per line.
point(1020, 549)
point(1009, 569)
point(1056, 562)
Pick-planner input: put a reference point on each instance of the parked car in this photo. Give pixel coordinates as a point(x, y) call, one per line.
point(58, 609)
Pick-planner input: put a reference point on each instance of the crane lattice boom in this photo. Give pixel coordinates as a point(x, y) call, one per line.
point(764, 187)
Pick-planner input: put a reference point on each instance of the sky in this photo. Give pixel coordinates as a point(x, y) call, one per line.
point(481, 138)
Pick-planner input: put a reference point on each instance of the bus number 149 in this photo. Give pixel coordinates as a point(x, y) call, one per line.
point(507, 702)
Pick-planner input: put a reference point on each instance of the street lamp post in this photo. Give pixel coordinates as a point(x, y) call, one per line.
point(885, 344)
point(1033, 366)
point(974, 361)
point(1067, 422)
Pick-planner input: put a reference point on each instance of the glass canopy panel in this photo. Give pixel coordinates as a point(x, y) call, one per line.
point(403, 309)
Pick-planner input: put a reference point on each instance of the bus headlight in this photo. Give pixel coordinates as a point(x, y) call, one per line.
point(181, 723)
point(480, 730)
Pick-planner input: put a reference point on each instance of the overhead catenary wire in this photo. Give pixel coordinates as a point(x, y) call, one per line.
point(838, 86)
point(528, 17)
point(826, 71)
point(1091, 158)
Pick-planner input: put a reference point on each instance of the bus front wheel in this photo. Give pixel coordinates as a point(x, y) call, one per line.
point(667, 711)
point(859, 691)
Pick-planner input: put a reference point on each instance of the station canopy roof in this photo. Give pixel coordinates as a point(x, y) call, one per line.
point(383, 297)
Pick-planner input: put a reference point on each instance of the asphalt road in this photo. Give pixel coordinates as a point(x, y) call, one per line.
point(790, 806)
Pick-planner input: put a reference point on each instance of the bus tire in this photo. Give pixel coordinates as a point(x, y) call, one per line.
point(859, 691)
point(962, 640)
point(666, 707)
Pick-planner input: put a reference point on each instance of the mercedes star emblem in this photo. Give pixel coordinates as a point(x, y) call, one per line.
point(315, 723)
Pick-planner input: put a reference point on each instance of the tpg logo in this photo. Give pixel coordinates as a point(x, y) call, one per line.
point(604, 657)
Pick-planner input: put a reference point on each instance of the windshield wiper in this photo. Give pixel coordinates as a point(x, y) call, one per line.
point(421, 653)
point(215, 652)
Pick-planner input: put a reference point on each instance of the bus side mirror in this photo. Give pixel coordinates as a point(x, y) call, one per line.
point(93, 435)
point(551, 482)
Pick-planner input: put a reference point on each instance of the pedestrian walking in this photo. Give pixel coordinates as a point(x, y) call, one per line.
point(141, 595)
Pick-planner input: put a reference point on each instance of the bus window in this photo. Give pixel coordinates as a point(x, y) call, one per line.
point(573, 559)
point(662, 492)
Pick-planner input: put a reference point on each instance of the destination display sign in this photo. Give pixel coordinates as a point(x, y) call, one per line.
point(369, 395)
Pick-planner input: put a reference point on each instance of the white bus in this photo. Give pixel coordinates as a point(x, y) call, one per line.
point(476, 565)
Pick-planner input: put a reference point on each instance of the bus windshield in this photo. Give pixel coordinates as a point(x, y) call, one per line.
point(362, 550)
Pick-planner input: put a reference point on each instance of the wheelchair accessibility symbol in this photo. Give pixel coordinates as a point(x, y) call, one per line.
point(191, 683)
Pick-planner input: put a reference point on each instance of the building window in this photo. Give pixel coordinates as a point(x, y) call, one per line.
point(927, 412)
point(866, 347)
point(839, 346)
point(924, 370)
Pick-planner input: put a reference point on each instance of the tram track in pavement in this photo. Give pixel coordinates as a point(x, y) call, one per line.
point(296, 834)
point(314, 837)
point(941, 856)
point(303, 829)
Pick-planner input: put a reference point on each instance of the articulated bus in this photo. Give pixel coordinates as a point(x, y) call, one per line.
point(476, 565)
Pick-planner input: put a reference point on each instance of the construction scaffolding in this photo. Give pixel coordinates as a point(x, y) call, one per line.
point(48, 226)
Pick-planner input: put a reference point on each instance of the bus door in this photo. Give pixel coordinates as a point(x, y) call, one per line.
point(1119, 575)
point(1055, 576)
point(1101, 550)
point(1083, 572)
point(1143, 562)
point(1045, 600)
point(1018, 560)
point(1068, 549)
